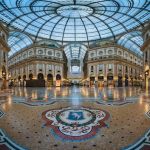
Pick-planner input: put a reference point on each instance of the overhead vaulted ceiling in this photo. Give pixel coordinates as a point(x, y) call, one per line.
point(74, 20)
point(75, 51)
point(67, 21)
point(132, 41)
point(18, 41)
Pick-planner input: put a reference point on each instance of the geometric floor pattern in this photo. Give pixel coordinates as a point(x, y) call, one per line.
point(117, 102)
point(75, 124)
point(7, 144)
point(43, 101)
point(142, 144)
point(148, 114)
point(1, 114)
point(40, 101)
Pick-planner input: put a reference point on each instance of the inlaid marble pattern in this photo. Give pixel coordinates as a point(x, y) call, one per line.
point(1, 113)
point(25, 125)
point(118, 102)
point(30, 101)
point(148, 114)
point(46, 96)
point(7, 144)
point(75, 124)
point(41, 101)
point(142, 144)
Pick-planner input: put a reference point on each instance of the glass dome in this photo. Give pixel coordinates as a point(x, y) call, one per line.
point(74, 20)
point(75, 51)
point(132, 41)
point(18, 41)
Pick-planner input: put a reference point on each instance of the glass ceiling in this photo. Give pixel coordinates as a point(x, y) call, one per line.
point(132, 41)
point(18, 41)
point(75, 51)
point(74, 20)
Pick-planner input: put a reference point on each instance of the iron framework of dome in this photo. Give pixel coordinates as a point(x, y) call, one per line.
point(75, 51)
point(17, 41)
point(132, 41)
point(74, 20)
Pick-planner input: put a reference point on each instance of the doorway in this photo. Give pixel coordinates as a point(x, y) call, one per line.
point(40, 76)
point(50, 79)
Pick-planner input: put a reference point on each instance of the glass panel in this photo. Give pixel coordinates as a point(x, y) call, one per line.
point(66, 21)
point(17, 41)
point(132, 41)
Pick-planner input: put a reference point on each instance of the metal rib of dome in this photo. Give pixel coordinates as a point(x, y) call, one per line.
point(17, 41)
point(75, 51)
point(74, 20)
point(132, 41)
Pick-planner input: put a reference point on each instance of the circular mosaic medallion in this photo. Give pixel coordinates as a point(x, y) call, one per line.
point(76, 117)
point(75, 124)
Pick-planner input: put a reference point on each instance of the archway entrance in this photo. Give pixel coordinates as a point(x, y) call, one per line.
point(110, 79)
point(30, 76)
point(24, 77)
point(50, 79)
point(19, 78)
point(58, 80)
point(119, 80)
point(40, 76)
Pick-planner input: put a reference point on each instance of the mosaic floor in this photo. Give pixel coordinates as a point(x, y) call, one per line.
point(75, 118)
point(1, 114)
point(75, 124)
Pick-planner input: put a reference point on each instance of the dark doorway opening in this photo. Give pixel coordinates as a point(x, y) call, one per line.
point(40, 76)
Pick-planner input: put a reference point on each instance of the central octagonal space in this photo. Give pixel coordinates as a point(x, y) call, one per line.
point(75, 11)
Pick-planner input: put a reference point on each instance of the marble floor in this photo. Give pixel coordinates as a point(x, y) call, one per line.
point(79, 118)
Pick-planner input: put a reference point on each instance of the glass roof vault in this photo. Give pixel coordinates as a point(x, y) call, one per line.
point(74, 20)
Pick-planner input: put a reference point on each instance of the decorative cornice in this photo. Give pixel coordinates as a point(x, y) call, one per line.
point(33, 59)
point(108, 45)
point(114, 59)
